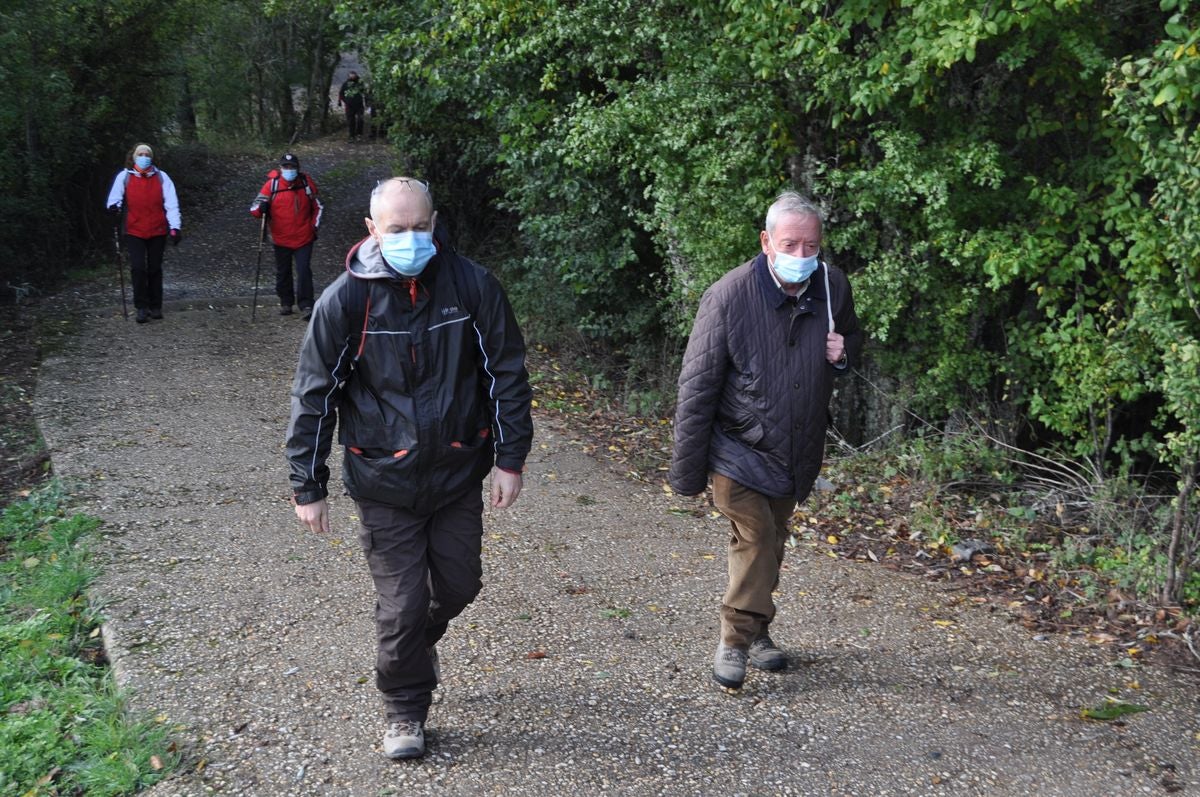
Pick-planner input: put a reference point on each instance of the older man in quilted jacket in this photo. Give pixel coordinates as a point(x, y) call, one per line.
point(769, 339)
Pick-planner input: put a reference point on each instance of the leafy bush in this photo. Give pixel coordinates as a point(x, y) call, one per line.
point(1011, 187)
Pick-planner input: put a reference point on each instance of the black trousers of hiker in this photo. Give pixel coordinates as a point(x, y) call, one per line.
point(145, 270)
point(427, 569)
point(299, 291)
point(354, 120)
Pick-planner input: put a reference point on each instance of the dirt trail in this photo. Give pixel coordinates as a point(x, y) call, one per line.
point(584, 666)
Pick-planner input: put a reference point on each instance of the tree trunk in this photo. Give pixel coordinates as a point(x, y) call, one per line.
point(185, 112)
point(1177, 571)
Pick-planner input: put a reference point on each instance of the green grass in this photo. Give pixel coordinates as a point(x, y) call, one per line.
point(64, 727)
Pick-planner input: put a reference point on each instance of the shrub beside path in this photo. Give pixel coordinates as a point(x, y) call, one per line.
point(584, 666)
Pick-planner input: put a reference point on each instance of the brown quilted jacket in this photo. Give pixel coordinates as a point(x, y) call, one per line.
point(755, 385)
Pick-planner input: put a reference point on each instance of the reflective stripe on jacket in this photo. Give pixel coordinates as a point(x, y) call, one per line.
point(436, 396)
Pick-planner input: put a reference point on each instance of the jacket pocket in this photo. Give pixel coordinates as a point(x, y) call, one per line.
point(380, 475)
point(747, 430)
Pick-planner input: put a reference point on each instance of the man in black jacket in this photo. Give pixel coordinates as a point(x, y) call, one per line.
point(352, 97)
point(418, 351)
point(768, 340)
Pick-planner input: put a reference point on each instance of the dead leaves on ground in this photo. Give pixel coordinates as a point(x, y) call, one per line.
point(948, 538)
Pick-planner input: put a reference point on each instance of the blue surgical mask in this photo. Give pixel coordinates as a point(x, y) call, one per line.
point(792, 269)
point(142, 161)
point(407, 252)
point(290, 174)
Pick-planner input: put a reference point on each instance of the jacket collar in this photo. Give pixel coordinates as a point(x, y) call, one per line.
point(364, 260)
point(775, 295)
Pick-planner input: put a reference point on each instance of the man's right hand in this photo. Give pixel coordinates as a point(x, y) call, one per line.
point(315, 515)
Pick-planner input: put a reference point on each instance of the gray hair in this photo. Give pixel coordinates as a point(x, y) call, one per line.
point(794, 203)
point(398, 184)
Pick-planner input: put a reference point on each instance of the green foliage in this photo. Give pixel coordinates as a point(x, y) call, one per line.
point(85, 81)
point(1013, 186)
point(70, 101)
point(63, 720)
point(978, 181)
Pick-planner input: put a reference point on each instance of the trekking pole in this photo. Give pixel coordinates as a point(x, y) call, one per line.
point(262, 234)
point(120, 267)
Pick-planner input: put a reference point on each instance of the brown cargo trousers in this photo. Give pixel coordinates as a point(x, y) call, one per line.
point(427, 569)
point(756, 544)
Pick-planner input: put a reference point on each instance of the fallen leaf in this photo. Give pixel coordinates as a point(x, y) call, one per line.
point(536, 654)
point(1113, 709)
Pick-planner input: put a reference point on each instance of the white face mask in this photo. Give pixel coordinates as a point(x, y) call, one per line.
point(792, 269)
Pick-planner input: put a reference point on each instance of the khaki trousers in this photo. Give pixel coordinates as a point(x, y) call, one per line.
point(759, 529)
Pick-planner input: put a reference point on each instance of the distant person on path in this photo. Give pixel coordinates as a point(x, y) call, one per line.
point(415, 353)
point(289, 198)
point(151, 206)
point(769, 338)
point(352, 97)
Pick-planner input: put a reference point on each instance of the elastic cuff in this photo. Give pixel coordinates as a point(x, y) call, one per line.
point(509, 470)
point(308, 496)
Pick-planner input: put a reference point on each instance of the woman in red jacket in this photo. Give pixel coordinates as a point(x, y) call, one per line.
point(151, 213)
point(289, 198)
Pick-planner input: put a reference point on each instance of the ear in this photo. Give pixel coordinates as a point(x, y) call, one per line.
point(765, 241)
point(433, 221)
point(370, 227)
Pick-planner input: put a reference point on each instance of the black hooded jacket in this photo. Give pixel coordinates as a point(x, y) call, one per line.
point(426, 390)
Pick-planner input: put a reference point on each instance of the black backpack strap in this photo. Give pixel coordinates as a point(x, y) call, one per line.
point(466, 284)
point(461, 272)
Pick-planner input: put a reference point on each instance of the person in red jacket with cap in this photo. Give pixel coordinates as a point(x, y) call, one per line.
point(151, 215)
point(289, 198)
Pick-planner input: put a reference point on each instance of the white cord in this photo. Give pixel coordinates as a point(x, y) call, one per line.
point(828, 297)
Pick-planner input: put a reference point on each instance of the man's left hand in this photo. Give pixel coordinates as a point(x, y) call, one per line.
point(835, 348)
point(506, 487)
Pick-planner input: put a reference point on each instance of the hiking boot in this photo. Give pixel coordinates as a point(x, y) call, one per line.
point(766, 655)
point(285, 309)
point(729, 667)
point(306, 313)
point(404, 739)
point(143, 315)
point(156, 313)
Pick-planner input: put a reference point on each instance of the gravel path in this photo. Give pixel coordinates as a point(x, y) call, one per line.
point(583, 668)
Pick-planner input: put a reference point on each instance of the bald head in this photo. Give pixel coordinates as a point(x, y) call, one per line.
point(400, 190)
point(401, 204)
